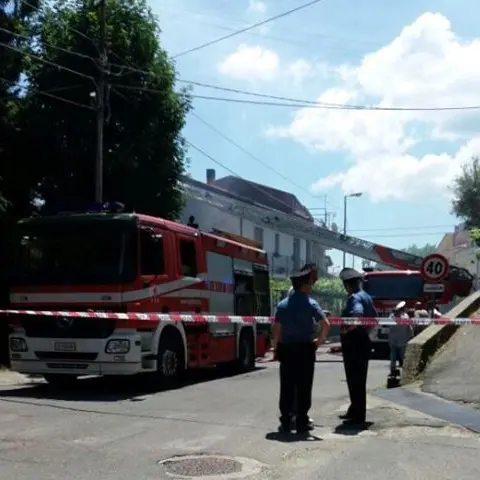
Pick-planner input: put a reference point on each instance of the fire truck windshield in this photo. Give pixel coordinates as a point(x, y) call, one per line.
point(394, 287)
point(75, 252)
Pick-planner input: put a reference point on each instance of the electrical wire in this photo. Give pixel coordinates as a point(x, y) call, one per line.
point(290, 41)
point(48, 62)
point(413, 227)
point(287, 101)
point(246, 29)
point(71, 52)
point(47, 93)
point(331, 107)
point(252, 184)
point(249, 154)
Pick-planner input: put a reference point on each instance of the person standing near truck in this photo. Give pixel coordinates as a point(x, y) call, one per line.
point(295, 344)
point(356, 345)
point(398, 337)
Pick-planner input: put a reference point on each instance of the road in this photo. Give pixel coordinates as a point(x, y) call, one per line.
point(106, 432)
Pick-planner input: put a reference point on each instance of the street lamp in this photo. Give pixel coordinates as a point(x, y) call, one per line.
point(357, 194)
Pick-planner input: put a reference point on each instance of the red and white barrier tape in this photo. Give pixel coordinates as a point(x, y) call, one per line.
point(160, 317)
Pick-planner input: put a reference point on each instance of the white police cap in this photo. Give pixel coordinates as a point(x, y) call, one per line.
point(400, 305)
point(350, 274)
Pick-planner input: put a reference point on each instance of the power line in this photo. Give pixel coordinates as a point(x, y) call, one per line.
point(289, 102)
point(48, 93)
point(405, 235)
point(251, 155)
point(48, 62)
point(70, 52)
point(253, 184)
point(246, 29)
point(331, 107)
point(415, 227)
point(302, 43)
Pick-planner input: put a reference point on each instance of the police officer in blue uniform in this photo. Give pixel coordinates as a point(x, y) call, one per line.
point(295, 345)
point(356, 345)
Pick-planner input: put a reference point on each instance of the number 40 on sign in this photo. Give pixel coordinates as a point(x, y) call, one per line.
point(434, 268)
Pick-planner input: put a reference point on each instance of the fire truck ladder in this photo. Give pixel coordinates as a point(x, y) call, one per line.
point(275, 219)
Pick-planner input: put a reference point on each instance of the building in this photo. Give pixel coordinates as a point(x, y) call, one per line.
point(225, 205)
point(460, 250)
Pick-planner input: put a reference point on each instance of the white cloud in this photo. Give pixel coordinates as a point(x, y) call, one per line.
point(251, 63)
point(300, 70)
point(257, 6)
point(427, 65)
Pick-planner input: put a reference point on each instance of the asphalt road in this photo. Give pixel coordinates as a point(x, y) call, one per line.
point(105, 432)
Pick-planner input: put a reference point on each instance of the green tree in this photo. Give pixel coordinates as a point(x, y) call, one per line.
point(466, 193)
point(423, 251)
point(144, 151)
point(328, 291)
point(15, 191)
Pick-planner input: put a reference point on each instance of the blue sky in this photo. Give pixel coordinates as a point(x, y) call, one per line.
point(391, 54)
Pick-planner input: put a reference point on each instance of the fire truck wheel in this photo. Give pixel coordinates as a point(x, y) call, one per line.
point(171, 357)
point(60, 380)
point(246, 352)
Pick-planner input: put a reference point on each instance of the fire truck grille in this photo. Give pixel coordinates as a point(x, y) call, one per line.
point(61, 327)
point(66, 356)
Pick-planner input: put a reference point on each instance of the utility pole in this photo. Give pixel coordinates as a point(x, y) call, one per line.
point(100, 104)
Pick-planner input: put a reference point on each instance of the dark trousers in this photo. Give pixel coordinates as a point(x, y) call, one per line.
point(356, 354)
point(297, 366)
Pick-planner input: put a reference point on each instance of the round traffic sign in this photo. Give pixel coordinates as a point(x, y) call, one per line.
point(434, 268)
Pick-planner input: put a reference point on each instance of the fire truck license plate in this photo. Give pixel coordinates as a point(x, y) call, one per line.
point(65, 346)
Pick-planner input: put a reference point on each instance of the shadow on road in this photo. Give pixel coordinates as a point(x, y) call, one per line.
point(351, 430)
point(292, 437)
point(115, 389)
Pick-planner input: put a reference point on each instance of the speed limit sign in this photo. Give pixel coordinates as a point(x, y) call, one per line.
point(434, 268)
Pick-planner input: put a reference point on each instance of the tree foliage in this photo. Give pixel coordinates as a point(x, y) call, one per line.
point(466, 193)
point(421, 251)
point(51, 119)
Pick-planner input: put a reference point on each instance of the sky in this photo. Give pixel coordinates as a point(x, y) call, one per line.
point(409, 54)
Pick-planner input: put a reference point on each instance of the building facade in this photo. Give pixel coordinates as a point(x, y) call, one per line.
point(286, 252)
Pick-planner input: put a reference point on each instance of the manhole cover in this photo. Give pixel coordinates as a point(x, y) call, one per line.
point(209, 466)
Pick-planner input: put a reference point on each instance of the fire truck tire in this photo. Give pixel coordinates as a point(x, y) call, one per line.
point(170, 358)
point(60, 380)
point(246, 351)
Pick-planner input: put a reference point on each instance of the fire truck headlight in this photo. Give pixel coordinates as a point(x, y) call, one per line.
point(18, 344)
point(118, 346)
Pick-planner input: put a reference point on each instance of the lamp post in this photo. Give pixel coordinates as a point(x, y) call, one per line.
point(357, 194)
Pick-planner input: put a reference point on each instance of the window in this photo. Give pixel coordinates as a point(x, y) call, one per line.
point(258, 235)
point(296, 253)
point(151, 253)
point(188, 258)
point(308, 251)
point(75, 252)
point(277, 243)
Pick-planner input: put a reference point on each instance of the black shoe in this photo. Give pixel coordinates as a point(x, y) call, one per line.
point(284, 429)
point(303, 430)
point(354, 422)
point(311, 423)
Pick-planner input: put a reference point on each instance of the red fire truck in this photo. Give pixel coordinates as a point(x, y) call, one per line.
point(122, 262)
point(389, 287)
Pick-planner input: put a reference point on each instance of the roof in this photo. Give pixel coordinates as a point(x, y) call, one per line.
point(269, 197)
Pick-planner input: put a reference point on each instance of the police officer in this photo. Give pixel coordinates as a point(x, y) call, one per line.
point(295, 345)
point(356, 345)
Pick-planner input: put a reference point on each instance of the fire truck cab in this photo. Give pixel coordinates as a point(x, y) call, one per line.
point(388, 287)
point(124, 262)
